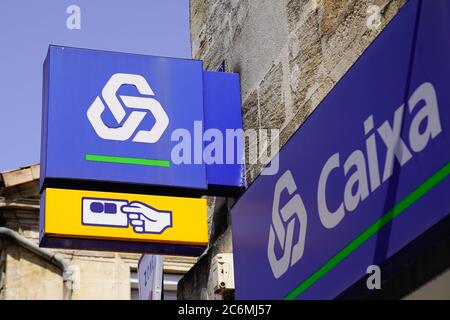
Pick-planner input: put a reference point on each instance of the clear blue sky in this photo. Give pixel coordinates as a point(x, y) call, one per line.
point(27, 27)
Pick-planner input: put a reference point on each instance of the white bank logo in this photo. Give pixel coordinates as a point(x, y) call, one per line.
point(283, 227)
point(362, 171)
point(146, 104)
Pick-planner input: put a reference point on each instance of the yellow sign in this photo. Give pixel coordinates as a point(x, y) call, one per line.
point(75, 214)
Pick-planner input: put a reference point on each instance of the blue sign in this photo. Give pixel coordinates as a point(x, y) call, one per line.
point(222, 93)
point(110, 117)
point(363, 177)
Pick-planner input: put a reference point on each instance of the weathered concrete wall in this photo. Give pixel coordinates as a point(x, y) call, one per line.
point(30, 277)
point(289, 53)
point(102, 276)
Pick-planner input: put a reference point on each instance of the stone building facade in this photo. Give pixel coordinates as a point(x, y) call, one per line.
point(95, 275)
point(289, 54)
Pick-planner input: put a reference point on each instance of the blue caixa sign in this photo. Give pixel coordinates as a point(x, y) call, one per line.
point(109, 117)
point(363, 177)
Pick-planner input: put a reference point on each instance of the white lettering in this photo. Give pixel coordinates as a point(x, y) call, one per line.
point(359, 178)
point(396, 148)
point(425, 126)
point(328, 219)
point(430, 112)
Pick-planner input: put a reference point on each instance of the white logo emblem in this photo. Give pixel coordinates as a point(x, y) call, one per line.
point(291, 252)
point(128, 128)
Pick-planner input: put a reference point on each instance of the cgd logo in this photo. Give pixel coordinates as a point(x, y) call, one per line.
point(364, 179)
point(145, 104)
point(285, 237)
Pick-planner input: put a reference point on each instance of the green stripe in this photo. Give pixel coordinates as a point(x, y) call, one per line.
point(370, 231)
point(124, 160)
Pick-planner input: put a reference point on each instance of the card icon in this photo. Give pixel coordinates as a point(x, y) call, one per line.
point(122, 214)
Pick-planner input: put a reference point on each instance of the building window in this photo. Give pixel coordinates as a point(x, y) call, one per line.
point(134, 294)
point(170, 283)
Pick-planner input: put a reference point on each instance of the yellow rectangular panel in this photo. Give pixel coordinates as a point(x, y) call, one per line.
point(123, 217)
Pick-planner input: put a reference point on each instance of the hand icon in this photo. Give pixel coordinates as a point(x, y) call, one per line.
point(145, 219)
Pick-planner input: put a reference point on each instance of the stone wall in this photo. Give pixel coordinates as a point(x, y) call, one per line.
point(30, 277)
point(289, 54)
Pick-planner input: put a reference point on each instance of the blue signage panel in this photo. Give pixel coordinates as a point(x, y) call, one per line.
point(222, 93)
point(116, 117)
point(110, 116)
point(363, 177)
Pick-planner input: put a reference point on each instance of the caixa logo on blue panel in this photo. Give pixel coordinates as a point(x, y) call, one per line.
point(135, 119)
point(111, 120)
point(143, 105)
point(362, 172)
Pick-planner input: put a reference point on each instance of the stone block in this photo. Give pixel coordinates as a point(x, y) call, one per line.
point(296, 9)
point(29, 277)
point(305, 59)
point(271, 99)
